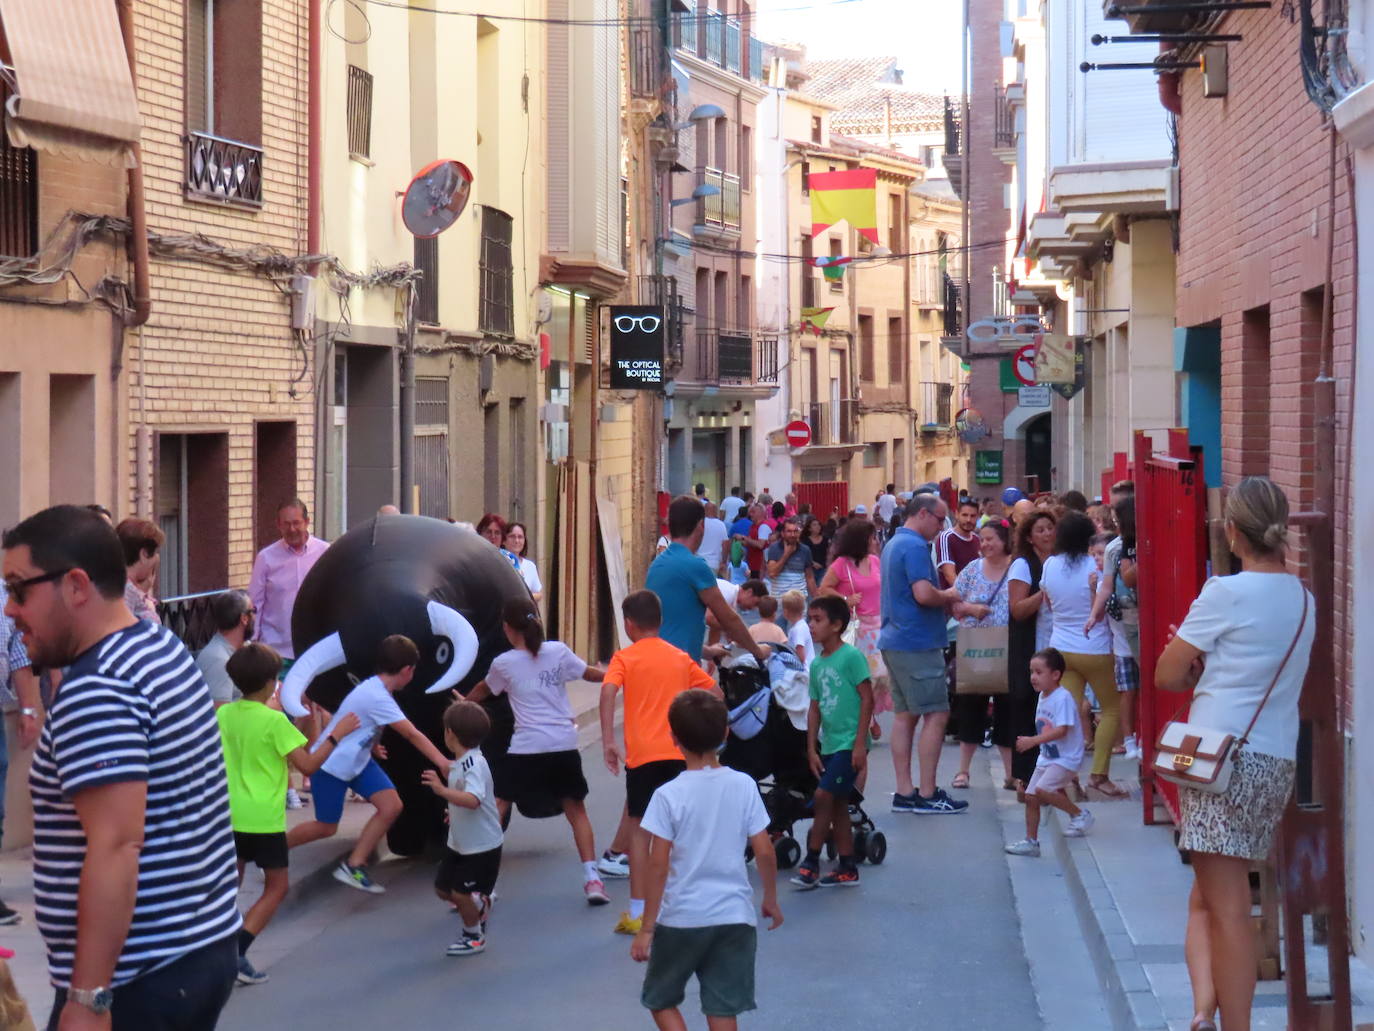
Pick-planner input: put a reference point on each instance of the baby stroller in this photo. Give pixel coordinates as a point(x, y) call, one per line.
point(768, 742)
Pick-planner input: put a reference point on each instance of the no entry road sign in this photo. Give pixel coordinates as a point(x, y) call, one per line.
point(798, 434)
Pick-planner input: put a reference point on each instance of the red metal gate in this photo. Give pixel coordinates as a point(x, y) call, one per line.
point(1171, 549)
point(823, 497)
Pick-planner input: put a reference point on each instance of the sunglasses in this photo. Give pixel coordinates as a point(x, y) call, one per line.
point(20, 588)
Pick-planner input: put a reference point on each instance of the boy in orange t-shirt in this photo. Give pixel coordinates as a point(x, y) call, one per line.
point(652, 673)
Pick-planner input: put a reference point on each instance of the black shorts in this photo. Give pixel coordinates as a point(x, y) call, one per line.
point(538, 776)
point(267, 850)
point(642, 781)
point(477, 872)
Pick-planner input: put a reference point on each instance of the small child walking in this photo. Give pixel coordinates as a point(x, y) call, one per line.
point(798, 631)
point(652, 673)
point(1060, 739)
point(836, 741)
point(543, 762)
point(352, 763)
point(260, 747)
point(467, 872)
point(766, 630)
point(699, 910)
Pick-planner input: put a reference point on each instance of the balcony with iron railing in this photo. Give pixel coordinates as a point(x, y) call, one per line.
point(733, 358)
point(718, 213)
point(662, 291)
point(719, 39)
point(1004, 125)
point(954, 155)
point(226, 171)
point(937, 406)
point(832, 422)
point(954, 314)
point(646, 62)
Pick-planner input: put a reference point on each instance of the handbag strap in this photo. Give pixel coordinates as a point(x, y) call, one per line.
point(1279, 672)
point(998, 589)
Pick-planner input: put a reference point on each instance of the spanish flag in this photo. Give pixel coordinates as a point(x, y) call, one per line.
point(848, 196)
point(814, 319)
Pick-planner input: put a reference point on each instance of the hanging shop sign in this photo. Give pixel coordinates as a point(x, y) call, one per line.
point(1054, 358)
point(987, 467)
point(1070, 390)
point(637, 335)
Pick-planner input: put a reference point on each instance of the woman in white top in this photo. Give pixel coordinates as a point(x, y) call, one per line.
point(1069, 584)
point(517, 543)
point(1229, 650)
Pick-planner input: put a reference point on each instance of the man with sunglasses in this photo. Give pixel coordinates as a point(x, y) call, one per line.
point(233, 614)
point(133, 850)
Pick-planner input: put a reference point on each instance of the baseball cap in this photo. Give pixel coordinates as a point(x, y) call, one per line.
point(861, 510)
point(1011, 496)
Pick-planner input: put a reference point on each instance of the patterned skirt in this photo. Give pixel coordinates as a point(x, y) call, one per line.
point(1241, 821)
point(866, 640)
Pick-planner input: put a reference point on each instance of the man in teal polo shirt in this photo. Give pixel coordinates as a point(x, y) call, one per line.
point(912, 641)
point(686, 587)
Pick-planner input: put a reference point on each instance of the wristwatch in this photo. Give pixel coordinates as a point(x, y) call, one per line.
point(97, 1000)
point(29, 710)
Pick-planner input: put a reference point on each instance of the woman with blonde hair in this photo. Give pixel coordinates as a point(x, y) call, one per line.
point(1243, 649)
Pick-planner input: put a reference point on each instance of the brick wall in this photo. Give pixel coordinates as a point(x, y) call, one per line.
point(219, 353)
point(1253, 241)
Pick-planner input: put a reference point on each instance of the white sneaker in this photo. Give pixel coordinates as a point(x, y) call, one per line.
point(614, 864)
point(1132, 746)
point(1024, 847)
point(1080, 825)
point(293, 799)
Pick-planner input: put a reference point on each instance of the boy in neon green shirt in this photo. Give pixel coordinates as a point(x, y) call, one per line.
point(258, 744)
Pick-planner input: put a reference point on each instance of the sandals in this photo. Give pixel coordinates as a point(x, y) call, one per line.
point(1202, 1023)
point(960, 780)
point(1010, 784)
point(1104, 785)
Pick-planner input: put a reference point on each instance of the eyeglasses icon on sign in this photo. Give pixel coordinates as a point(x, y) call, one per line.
point(646, 323)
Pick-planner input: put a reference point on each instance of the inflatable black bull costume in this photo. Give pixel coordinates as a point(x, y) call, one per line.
point(441, 586)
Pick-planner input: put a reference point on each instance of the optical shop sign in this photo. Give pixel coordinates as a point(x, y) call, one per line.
point(637, 333)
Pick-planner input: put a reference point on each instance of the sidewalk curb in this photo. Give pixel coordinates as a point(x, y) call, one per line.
point(1125, 987)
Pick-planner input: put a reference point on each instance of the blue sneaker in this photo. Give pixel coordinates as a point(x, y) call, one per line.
point(937, 804)
point(905, 803)
point(248, 974)
point(808, 875)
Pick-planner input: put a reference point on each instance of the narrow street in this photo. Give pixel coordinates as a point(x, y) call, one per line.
point(930, 939)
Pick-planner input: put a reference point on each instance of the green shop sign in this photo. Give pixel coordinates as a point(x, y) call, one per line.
point(987, 467)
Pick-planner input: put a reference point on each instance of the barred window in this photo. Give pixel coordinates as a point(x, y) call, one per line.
point(359, 112)
point(18, 196)
point(427, 289)
point(497, 277)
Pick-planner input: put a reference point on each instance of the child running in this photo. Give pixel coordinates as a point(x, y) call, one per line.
point(467, 872)
point(351, 764)
point(652, 673)
point(836, 741)
point(260, 745)
point(699, 911)
point(1060, 739)
point(543, 761)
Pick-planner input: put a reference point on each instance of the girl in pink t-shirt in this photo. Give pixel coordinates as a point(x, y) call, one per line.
point(855, 575)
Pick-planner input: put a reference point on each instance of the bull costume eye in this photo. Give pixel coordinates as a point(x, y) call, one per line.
point(458, 640)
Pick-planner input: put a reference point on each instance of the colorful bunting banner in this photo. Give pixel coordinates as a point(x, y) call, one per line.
point(849, 196)
point(814, 319)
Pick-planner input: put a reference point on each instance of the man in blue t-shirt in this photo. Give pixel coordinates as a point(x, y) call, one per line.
point(913, 640)
point(686, 587)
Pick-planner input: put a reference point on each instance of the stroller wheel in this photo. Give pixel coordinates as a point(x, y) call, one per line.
point(860, 846)
point(788, 852)
point(877, 847)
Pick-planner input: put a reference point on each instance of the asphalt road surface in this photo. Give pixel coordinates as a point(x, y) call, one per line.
point(930, 939)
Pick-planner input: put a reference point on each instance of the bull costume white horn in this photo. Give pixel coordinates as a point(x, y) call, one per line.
point(446, 621)
point(328, 653)
point(325, 654)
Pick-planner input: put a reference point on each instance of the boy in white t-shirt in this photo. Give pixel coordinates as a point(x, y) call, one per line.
point(699, 910)
point(1060, 740)
point(798, 629)
point(467, 872)
point(352, 763)
point(543, 765)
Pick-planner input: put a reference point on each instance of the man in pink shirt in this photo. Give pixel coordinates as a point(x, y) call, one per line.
point(278, 572)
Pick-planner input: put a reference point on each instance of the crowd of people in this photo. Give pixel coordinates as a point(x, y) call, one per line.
point(141, 748)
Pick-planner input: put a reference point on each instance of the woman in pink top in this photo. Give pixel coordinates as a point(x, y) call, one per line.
point(855, 575)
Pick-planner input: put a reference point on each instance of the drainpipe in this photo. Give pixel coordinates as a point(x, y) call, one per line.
point(314, 144)
point(138, 212)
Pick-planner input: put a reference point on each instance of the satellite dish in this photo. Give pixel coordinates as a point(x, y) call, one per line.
point(436, 197)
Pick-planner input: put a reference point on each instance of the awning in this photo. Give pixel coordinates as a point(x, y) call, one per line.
point(75, 95)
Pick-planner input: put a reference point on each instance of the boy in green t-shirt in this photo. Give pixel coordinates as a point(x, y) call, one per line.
point(258, 744)
point(836, 740)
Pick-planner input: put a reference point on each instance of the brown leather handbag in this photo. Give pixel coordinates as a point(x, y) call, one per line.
point(1198, 757)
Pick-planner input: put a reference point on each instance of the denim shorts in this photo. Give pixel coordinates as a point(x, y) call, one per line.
point(837, 777)
point(919, 681)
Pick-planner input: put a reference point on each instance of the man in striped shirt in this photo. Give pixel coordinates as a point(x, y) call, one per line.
point(134, 876)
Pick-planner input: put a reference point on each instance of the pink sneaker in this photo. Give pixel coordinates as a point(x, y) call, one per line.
point(596, 893)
